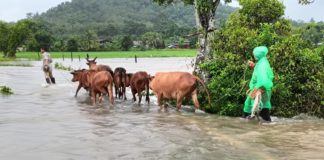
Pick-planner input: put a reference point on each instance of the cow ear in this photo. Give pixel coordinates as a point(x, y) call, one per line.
point(88, 63)
point(151, 78)
point(73, 72)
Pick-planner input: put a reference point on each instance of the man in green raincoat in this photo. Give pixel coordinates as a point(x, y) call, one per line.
point(260, 84)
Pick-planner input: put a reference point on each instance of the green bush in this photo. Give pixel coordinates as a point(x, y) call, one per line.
point(298, 69)
point(6, 90)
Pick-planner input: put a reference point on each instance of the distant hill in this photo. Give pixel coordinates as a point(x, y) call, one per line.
point(120, 17)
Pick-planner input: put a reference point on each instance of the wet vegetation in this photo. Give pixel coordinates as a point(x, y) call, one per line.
point(5, 90)
point(62, 67)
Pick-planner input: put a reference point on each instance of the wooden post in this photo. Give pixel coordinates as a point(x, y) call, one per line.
point(79, 58)
point(135, 59)
point(63, 56)
point(71, 57)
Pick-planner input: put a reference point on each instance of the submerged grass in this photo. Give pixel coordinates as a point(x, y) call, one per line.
point(18, 65)
point(6, 90)
point(62, 67)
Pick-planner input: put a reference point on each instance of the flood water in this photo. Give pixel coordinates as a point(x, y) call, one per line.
point(40, 122)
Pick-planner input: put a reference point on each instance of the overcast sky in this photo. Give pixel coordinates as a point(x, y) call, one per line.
point(13, 10)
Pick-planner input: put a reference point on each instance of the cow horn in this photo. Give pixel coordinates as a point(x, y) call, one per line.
point(95, 59)
point(87, 58)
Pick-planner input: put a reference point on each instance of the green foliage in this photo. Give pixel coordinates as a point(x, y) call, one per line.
point(261, 11)
point(5, 90)
point(72, 45)
point(313, 33)
point(114, 18)
point(17, 35)
point(228, 80)
point(153, 40)
point(299, 78)
point(4, 35)
point(126, 43)
point(298, 69)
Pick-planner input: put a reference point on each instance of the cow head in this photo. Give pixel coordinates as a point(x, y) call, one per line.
point(77, 75)
point(91, 63)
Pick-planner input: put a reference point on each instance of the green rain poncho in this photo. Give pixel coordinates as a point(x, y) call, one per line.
point(261, 79)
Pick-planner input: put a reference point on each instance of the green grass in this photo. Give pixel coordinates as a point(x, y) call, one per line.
point(115, 54)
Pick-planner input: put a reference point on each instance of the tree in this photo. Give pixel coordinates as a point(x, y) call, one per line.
point(4, 35)
point(152, 40)
point(89, 41)
point(126, 43)
point(205, 11)
point(313, 33)
point(17, 35)
point(72, 45)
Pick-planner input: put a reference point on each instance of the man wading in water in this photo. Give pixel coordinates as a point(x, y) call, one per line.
point(47, 66)
point(259, 94)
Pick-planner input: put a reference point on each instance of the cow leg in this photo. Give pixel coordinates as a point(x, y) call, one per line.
point(76, 93)
point(147, 98)
point(139, 97)
point(195, 99)
point(110, 94)
point(179, 101)
point(100, 97)
point(124, 92)
point(120, 93)
point(116, 91)
point(94, 97)
point(133, 93)
point(159, 101)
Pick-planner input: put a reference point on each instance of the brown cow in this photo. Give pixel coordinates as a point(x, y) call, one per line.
point(120, 82)
point(176, 85)
point(80, 75)
point(140, 82)
point(128, 78)
point(93, 66)
point(101, 83)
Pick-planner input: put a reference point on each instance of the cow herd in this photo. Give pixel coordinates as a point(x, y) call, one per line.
point(99, 80)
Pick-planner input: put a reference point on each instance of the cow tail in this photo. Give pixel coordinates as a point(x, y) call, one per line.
point(206, 90)
point(123, 78)
point(147, 83)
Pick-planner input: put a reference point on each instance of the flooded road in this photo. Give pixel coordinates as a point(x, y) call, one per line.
point(40, 122)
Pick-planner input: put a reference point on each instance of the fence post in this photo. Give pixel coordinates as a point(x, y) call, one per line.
point(135, 58)
point(63, 56)
point(79, 58)
point(71, 57)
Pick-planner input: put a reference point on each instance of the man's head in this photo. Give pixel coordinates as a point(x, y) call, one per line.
point(42, 50)
point(260, 52)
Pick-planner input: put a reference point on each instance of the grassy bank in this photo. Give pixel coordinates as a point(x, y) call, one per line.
point(115, 54)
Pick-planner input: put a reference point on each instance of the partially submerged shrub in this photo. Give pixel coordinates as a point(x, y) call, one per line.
point(6, 90)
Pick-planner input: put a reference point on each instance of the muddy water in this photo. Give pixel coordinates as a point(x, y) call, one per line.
point(40, 122)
